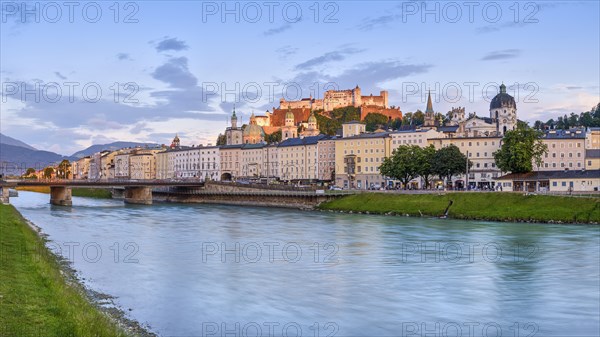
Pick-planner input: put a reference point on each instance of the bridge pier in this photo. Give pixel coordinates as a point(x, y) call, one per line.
point(4, 195)
point(60, 196)
point(138, 195)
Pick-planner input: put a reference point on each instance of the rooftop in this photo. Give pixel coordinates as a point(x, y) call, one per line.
point(302, 141)
point(575, 133)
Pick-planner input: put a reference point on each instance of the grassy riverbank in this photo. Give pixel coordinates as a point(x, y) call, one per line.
point(99, 193)
point(36, 297)
point(484, 206)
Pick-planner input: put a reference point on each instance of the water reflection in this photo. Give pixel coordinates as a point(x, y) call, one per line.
point(202, 267)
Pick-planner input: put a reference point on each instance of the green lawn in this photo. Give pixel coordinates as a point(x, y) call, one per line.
point(485, 206)
point(35, 298)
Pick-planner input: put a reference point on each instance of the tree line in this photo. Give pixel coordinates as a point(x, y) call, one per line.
point(586, 119)
point(411, 161)
point(520, 149)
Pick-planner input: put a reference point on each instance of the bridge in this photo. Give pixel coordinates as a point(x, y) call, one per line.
point(174, 190)
point(136, 191)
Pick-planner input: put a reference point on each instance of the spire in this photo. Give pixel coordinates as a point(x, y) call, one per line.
point(429, 105)
point(502, 88)
point(234, 110)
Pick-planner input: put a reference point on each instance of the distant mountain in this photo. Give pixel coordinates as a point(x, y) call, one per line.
point(4, 139)
point(111, 147)
point(16, 159)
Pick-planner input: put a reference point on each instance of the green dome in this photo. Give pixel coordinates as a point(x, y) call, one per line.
point(289, 115)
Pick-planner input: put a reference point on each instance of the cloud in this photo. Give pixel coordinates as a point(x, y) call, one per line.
point(171, 44)
point(59, 75)
point(278, 30)
point(502, 55)
point(501, 26)
point(139, 127)
point(176, 73)
point(337, 55)
point(123, 57)
point(368, 75)
point(371, 23)
point(101, 123)
point(286, 51)
point(378, 72)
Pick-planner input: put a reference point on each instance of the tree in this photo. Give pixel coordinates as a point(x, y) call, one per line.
point(374, 121)
point(275, 137)
point(519, 148)
point(64, 169)
point(221, 139)
point(441, 118)
point(403, 165)
point(449, 161)
point(425, 164)
point(396, 123)
point(48, 171)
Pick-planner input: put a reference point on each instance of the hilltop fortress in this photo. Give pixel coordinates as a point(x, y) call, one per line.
point(334, 99)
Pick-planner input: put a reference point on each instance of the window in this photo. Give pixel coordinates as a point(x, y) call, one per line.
point(564, 183)
point(554, 184)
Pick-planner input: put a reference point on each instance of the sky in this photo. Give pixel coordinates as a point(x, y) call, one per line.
point(76, 73)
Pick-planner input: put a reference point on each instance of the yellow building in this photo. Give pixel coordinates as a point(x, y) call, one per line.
point(81, 168)
point(162, 165)
point(592, 159)
point(142, 166)
point(593, 138)
point(358, 157)
point(299, 158)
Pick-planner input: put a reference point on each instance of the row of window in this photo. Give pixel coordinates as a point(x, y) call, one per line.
point(547, 165)
point(562, 145)
point(562, 155)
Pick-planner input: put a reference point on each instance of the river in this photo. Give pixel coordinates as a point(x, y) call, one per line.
point(208, 270)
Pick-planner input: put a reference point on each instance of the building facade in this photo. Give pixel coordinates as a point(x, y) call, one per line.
point(299, 158)
point(359, 155)
point(566, 150)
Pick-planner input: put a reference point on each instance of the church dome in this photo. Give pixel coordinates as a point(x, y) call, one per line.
point(503, 100)
point(289, 115)
point(312, 119)
point(253, 130)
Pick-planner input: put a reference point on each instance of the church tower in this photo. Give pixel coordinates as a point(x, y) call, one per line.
point(234, 119)
point(313, 128)
point(503, 110)
point(175, 143)
point(233, 134)
point(289, 130)
point(429, 113)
